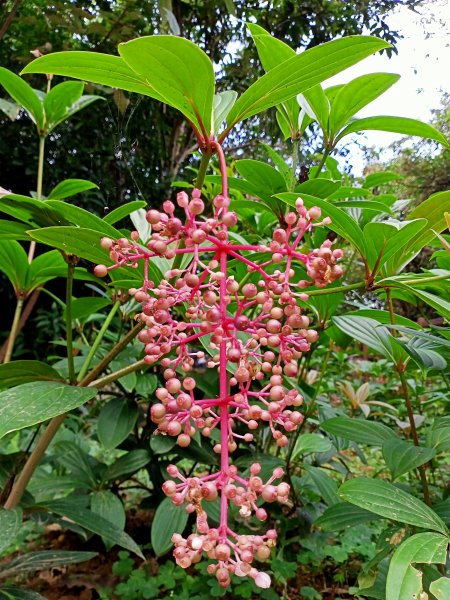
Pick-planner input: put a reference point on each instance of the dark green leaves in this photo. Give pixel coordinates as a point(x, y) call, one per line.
point(402, 457)
point(32, 403)
point(359, 430)
point(388, 501)
point(93, 522)
point(117, 418)
point(10, 524)
point(168, 519)
point(24, 371)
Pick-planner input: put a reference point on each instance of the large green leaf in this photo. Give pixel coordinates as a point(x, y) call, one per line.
point(123, 211)
point(432, 209)
point(368, 331)
point(441, 305)
point(326, 485)
point(91, 521)
point(127, 465)
point(83, 218)
point(24, 371)
point(403, 580)
point(31, 403)
point(58, 100)
point(180, 73)
point(403, 125)
point(99, 68)
point(301, 72)
point(117, 418)
point(342, 515)
point(30, 210)
point(10, 230)
point(359, 430)
point(356, 94)
point(168, 519)
point(70, 187)
point(14, 264)
point(401, 457)
point(109, 506)
point(10, 525)
point(389, 501)
point(311, 442)
point(24, 95)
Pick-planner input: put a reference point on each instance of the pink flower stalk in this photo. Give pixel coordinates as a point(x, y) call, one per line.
point(255, 333)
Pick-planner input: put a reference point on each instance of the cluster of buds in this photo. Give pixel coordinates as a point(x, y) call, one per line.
point(233, 553)
point(254, 333)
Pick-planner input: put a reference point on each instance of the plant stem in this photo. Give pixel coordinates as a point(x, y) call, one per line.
point(98, 369)
point(322, 162)
point(99, 383)
point(14, 330)
point(206, 156)
point(40, 176)
point(33, 461)
point(295, 148)
point(69, 339)
point(412, 424)
point(335, 290)
point(98, 340)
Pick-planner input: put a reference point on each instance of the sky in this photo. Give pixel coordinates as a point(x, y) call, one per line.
point(423, 63)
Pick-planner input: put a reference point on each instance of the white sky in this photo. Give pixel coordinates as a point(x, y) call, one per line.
point(424, 66)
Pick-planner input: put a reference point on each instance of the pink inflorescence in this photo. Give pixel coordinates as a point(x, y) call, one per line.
point(255, 333)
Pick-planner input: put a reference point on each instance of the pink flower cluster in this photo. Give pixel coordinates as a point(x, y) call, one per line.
point(252, 331)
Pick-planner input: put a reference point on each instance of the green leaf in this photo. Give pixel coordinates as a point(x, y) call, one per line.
point(320, 105)
point(326, 485)
point(401, 457)
point(123, 211)
point(342, 515)
point(83, 218)
point(58, 100)
point(261, 175)
point(10, 230)
point(178, 71)
point(127, 464)
point(441, 588)
point(44, 560)
point(14, 264)
point(25, 371)
point(359, 430)
point(104, 69)
point(441, 305)
point(70, 187)
point(82, 308)
point(30, 210)
point(311, 442)
point(10, 525)
point(38, 401)
point(93, 522)
point(438, 437)
point(370, 332)
point(409, 127)
point(301, 72)
point(162, 444)
point(115, 421)
point(356, 94)
point(24, 95)
point(403, 580)
point(376, 179)
point(223, 102)
point(388, 501)
point(168, 519)
point(109, 506)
